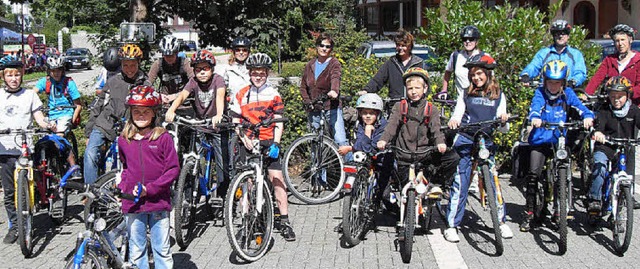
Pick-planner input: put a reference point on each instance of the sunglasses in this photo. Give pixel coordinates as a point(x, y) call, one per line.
point(559, 33)
point(241, 50)
point(325, 46)
point(466, 39)
point(258, 74)
point(204, 68)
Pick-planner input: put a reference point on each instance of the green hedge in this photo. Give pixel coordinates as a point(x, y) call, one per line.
point(292, 69)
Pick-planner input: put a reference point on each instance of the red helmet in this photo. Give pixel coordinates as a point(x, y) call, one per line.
point(143, 96)
point(203, 56)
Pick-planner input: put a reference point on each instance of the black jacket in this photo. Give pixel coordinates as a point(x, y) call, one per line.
point(612, 126)
point(391, 72)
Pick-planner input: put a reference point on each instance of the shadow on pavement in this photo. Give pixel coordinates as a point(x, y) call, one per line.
point(183, 260)
point(478, 234)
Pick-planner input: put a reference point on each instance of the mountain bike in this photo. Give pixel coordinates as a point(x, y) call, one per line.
point(584, 153)
point(249, 205)
point(42, 190)
point(312, 166)
point(68, 134)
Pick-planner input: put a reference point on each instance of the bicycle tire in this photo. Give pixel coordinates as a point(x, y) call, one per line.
point(184, 218)
point(585, 169)
point(562, 210)
point(90, 260)
point(104, 182)
point(59, 167)
point(71, 137)
point(406, 245)
point(241, 197)
point(25, 215)
point(353, 210)
point(490, 190)
point(303, 176)
point(624, 217)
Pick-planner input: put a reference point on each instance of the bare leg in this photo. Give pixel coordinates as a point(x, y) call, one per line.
point(280, 190)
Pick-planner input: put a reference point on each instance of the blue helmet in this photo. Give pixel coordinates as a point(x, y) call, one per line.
point(556, 70)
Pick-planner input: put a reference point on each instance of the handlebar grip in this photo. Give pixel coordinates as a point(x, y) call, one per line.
point(74, 185)
point(127, 196)
point(225, 125)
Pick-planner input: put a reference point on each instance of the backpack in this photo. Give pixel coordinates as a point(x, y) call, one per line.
point(404, 109)
point(65, 84)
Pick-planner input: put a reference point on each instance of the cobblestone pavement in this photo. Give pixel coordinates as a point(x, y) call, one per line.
point(318, 246)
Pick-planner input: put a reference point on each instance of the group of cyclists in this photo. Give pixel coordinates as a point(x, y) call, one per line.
point(190, 87)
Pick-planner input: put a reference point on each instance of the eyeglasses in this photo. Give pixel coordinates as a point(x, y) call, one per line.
point(241, 50)
point(325, 46)
point(204, 68)
point(258, 74)
point(559, 33)
point(467, 39)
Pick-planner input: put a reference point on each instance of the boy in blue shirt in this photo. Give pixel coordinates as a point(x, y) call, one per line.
point(62, 92)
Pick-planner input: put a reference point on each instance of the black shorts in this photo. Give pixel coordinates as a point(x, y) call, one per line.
point(269, 163)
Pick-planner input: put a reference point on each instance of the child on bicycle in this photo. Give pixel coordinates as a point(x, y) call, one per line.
point(415, 126)
point(255, 103)
point(550, 103)
point(18, 109)
point(150, 166)
point(209, 91)
point(62, 91)
point(617, 120)
point(482, 101)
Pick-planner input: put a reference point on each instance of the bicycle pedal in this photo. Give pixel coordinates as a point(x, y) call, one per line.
point(216, 202)
point(57, 213)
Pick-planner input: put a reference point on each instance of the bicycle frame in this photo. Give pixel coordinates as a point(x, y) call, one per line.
point(481, 156)
point(614, 179)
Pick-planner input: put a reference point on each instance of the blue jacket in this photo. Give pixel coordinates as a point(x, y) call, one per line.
point(553, 111)
point(571, 56)
point(366, 144)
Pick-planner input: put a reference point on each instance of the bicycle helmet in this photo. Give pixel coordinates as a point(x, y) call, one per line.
point(560, 26)
point(55, 62)
point(110, 59)
point(622, 28)
point(240, 42)
point(416, 71)
point(555, 70)
point(203, 56)
point(143, 96)
point(130, 52)
point(370, 101)
point(618, 84)
point(169, 45)
point(482, 61)
point(470, 31)
point(259, 60)
point(9, 62)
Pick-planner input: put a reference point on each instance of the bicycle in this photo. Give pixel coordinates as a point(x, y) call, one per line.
point(617, 198)
point(584, 156)
point(249, 204)
point(68, 134)
point(194, 180)
point(312, 167)
point(32, 193)
point(111, 158)
point(96, 247)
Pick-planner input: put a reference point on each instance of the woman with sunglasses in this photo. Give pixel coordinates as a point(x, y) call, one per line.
point(470, 36)
point(322, 76)
point(236, 76)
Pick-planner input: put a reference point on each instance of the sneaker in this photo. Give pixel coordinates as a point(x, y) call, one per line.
point(474, 184)
point(451, 235)
point(594, 206)
point(11, 237)
point(287, 231)
point(525, 226)
point(77, 175)
point(505, 231)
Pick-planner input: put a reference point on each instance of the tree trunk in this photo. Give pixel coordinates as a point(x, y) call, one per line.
point(139, 10)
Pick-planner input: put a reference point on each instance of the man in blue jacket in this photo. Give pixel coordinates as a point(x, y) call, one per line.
point(560, 50)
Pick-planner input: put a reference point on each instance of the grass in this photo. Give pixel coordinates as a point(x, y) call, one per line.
point(33, 76)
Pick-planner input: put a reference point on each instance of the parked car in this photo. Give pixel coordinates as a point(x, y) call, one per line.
point(385, 49)
point(191, 45)
point(77, 58)
point(609, 48)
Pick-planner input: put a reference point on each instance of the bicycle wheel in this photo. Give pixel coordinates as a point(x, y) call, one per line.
point(354, 219)
point(249, 228)
point(623, 221)
point(584, 164)
point(185, 204)
point(406, 242)
point(25, 215)
point(562, 209)
point(71, 137)
point(106, 183)
point(490, 190)
point(312, 170)
point(90, 260)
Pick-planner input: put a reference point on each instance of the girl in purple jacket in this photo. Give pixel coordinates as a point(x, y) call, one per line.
point(150, 165)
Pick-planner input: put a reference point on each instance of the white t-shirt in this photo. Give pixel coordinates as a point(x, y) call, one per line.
point(461, 73)
point(16, 112)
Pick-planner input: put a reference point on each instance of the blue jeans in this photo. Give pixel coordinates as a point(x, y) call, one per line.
point(92, 156)
point(222, 173)
point(336, 123)
point(598, 172)
point(158, 223)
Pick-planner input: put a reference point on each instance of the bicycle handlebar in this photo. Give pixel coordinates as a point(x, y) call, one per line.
point(614, 141)
point(481, 123)
point(446, 102)
point(186, 121)
point(394, 148)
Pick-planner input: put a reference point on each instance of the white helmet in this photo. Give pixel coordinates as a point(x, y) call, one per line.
point(55, 62)
point(169, 45)
point(259, 60)
point(370, 101)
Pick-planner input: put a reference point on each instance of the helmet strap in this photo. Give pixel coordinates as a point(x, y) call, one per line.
point(622, 56)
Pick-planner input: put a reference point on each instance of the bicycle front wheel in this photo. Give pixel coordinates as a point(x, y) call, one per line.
point(90, 260)
point(249, 228)
point(406, 244)
point(623, 221)
point(185, 205)
point(25, 214)
point(313, 169)
point(562, 193)
point(354, 220)
point(490, 190)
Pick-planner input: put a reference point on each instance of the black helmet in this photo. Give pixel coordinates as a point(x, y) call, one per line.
point(622, 28)
point(241, 41)
point(470, 31)
point(561, 26)
point(110, 59)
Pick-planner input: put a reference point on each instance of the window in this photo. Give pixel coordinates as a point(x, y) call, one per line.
point(409, 14)
point(372, 18)
point(180, 21)
point(170, 21)
point(390, 16)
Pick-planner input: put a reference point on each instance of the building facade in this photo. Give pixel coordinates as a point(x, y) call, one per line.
point(181, 29)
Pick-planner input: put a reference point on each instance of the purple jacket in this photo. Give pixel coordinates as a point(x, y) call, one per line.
point(154, 164)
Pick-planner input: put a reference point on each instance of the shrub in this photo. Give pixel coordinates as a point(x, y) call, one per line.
point(292, 69)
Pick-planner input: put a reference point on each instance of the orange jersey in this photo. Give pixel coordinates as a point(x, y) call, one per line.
point(255, 105)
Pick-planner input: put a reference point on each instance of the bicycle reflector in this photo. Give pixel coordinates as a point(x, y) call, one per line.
point(484, 153)
point(99, 225)
point(349, 182)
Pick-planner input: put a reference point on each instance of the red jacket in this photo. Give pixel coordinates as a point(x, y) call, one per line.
point(609, 68)
point(329, 79)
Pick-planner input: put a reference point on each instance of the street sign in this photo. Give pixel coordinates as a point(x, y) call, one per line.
point(39, 48)
point(137, 32)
